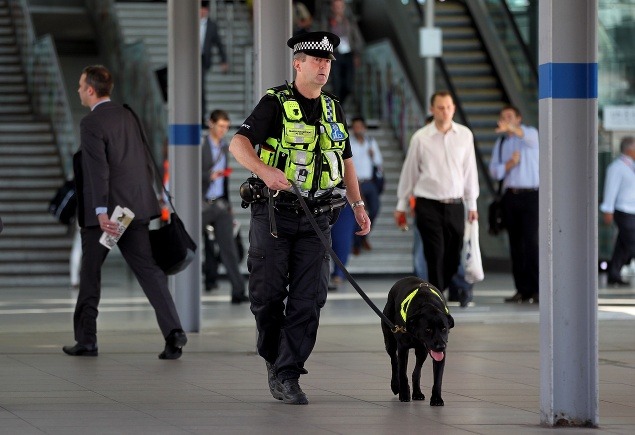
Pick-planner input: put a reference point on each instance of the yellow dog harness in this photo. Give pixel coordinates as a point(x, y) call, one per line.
point(406, 302)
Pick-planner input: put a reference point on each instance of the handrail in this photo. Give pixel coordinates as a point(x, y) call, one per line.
point(45, 83)
point(515, 75)
point(385, 91)
point(131, 66)
point(521, 42)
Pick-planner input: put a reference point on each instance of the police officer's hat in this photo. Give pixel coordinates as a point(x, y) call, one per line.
point(316, 44)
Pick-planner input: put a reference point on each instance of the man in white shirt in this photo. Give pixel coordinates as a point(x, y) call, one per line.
point(440, 171)
point(619, 206)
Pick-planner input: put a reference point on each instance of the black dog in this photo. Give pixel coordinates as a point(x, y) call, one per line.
point(421, 309)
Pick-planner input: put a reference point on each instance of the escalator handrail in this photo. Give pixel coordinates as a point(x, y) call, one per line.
point(521, 42)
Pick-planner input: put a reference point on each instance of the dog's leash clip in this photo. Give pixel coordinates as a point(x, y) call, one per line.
point(399, 329)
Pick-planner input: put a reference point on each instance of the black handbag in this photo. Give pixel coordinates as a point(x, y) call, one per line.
point(172, 247)
point(495, 216)
point(495, 208)
point(63, 206)
point(378, 179)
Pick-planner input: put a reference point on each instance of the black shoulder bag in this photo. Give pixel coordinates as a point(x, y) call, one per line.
point(172, 247)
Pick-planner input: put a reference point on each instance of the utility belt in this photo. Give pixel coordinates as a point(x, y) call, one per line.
point(254, 191)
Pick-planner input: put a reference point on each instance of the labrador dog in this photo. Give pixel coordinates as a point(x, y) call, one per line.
point(421, 309)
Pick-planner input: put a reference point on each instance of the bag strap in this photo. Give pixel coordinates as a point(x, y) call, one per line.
point(500, 159)
point(156, 171)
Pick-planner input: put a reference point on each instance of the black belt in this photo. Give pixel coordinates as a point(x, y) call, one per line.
point(215, 201)
point(316, 207)
point(517, 190)
point(446, 201)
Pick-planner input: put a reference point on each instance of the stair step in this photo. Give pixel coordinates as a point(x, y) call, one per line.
point(28, 143)
point(33, 161)
point(30, 172)
point(62, 241)
point(24, 127)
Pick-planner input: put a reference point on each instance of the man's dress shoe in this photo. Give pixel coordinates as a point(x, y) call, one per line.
point(239, 299)
point(618, 282)
point(80, 350)
point(173, 345)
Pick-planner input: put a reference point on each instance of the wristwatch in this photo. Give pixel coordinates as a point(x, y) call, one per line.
point(356, 204)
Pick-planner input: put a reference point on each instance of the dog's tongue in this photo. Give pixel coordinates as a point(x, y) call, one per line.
point(437, 356)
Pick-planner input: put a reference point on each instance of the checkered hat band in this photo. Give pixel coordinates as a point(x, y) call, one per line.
point(313, 45)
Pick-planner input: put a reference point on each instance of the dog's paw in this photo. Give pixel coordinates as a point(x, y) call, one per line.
point(394, 386)
point(418, 395)
point(404, 396)
point(436, 401)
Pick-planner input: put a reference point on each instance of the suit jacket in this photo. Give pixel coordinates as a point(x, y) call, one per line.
point(207, 163)
point(212, 38)
point(113, 166)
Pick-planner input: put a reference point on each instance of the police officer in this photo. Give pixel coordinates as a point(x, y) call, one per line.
point(297, 133)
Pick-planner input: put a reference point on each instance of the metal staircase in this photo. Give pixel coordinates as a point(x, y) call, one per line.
point(34, 248)
point(148, 22)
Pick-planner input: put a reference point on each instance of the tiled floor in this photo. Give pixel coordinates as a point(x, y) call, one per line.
point(491, 383)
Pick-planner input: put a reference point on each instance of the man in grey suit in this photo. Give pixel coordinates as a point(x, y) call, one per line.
point(112, 168)
point(217, 207)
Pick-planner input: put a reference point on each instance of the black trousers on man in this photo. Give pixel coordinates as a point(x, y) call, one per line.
point(220, 217)
point(134, 245)
point(293, 266)
point(441, 226)
point(624, 245)
point(520, 214)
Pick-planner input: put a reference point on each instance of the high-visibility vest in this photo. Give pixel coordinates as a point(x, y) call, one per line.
point(310, 155)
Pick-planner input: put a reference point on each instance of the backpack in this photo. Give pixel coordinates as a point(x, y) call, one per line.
point(64, 204)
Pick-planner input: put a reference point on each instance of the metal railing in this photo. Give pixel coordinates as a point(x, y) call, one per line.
point(385, 92)
point(45, 82)
point(135, 77)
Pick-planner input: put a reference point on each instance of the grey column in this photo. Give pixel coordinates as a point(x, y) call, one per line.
point(272, 57)
point(184, 99)
point(568, 213)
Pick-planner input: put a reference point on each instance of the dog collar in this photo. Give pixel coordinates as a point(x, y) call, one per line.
point(406, 302)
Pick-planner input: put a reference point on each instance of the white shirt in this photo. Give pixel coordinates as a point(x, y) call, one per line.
point(201, 32)
point(619, 187)
point(439, 166)
point(361, 156)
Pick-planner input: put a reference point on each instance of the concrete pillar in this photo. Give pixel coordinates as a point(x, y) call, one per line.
point(568, 213)
point(272, 57)
point(184, 121)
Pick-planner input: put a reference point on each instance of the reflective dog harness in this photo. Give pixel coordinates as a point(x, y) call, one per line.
point(406, 302)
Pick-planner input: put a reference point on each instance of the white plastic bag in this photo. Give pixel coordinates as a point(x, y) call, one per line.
point(471, 254)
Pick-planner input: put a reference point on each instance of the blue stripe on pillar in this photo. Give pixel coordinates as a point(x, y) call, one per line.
point(184, 134)
point(568, 80)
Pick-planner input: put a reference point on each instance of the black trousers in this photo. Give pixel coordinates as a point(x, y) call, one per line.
point(294, 266)
point(441, 227)
point(135, 248)
point(624, 249)
point(219, 216)
point(520, 213)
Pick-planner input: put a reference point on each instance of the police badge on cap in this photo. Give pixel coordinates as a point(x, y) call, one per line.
point(316, 44)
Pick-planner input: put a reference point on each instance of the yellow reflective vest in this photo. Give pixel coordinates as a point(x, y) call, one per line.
point(310, 155)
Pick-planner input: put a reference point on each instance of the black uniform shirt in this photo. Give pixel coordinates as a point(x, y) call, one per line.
point(266, 119)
